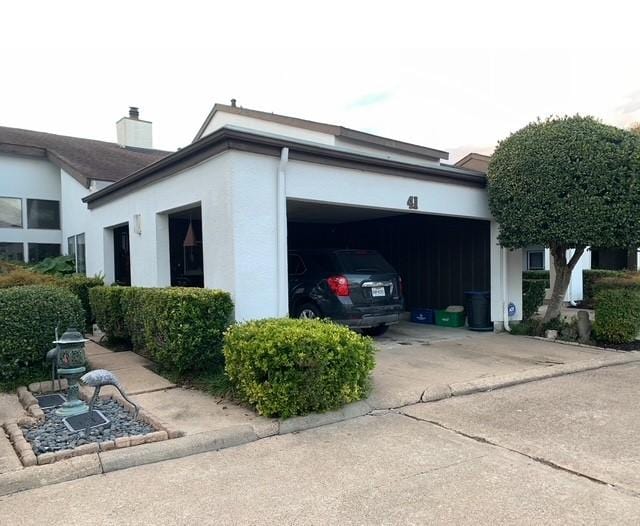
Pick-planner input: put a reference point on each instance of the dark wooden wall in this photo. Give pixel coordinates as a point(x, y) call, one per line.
point(439, 258)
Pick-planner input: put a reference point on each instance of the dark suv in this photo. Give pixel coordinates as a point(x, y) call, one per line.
point(355, 287)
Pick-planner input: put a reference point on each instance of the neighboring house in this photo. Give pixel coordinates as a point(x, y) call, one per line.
point(223, 211)
point(539, 258)
point(43, 178)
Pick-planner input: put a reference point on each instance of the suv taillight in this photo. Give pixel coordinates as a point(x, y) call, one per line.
point(339, 285)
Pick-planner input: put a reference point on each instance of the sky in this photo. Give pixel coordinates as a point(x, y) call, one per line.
point(457, 77)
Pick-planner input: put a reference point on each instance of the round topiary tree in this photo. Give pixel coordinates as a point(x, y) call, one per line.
point(566, 183)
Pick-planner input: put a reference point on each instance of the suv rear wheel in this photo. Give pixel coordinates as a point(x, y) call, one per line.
point(307, 311)
point(375, 331)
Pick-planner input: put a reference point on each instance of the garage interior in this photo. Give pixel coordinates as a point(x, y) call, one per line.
point(438, 257)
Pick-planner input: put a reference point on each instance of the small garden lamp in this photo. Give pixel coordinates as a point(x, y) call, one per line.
point(71, 363)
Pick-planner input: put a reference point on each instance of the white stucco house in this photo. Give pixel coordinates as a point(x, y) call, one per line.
point(223, 211)
point(43, 178)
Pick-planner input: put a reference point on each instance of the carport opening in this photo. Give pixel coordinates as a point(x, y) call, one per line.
point(438, 257)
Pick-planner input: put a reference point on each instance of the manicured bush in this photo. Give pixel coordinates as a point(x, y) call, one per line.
point(184, 327)
point(132, 303)
point(107, 310)
point(533, 291)
point(81, 285)
point(181, 329)
point(19, 277)
point(28, 319)
point(287, 367)
point(617, 315)
point(591, 277)
point(538, 274)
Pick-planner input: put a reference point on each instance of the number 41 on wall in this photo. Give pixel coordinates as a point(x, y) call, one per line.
point(412, 202)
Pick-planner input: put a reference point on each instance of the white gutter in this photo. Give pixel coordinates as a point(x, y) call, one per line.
point(505, 295)
point(281, 235)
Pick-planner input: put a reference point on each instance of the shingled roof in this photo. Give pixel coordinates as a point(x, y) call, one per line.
point(83, 159)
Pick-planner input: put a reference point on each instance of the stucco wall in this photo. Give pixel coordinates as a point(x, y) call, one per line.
point(33, 178)
point(222, 118)
point(74, 216)
point(316, 182)
point(238, 194)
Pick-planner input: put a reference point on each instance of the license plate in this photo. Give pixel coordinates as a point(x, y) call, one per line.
point(377, 292)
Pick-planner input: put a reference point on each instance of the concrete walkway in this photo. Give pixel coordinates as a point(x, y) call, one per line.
point(188, 410)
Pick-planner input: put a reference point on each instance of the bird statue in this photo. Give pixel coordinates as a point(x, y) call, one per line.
point(52, 356)
point(99, 378)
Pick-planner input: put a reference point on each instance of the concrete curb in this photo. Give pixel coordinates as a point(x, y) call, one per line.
point(38, 476)
point(117, 459)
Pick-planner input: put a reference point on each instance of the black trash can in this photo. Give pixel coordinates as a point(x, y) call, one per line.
point(478, 307)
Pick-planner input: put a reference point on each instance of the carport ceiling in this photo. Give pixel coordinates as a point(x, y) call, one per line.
point(310, 212)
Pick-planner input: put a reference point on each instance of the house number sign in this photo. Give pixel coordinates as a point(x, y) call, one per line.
point(412, 202)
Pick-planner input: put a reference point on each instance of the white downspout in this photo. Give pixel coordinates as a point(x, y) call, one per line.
point(505, 295)
point(281, 235)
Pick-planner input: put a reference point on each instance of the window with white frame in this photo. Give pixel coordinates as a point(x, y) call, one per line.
point(535, 260)
point(76, 250)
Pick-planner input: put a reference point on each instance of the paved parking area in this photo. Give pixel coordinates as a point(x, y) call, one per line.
point(588, 423)
point(414, 356)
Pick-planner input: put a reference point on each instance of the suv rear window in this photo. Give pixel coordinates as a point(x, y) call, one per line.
point(363, 262)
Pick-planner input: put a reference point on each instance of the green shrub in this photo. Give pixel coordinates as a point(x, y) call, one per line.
point(184, 327)
point(181, 329)
point(589, 279)
point(81, 285)
point(28, 319)
point(538, 274)
point(107, 310)
point(57, 266)
point(533, 291)
point(617, 315)
point(287, 367)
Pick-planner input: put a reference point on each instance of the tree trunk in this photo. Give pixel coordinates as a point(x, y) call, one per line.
point(563, 270)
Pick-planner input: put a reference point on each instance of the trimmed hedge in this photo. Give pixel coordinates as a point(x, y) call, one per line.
point(28, 319)
point(77, 283)
point(589, 279)
point(617, 315)
point(533, 291)
point(184, 327)
point(81, 285)
point(538, 274)
point(287, 367)
point(107, 310)
point(181, 329)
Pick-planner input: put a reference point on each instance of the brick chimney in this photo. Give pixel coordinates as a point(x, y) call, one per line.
point(134, 132)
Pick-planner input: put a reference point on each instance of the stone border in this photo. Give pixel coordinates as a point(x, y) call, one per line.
point(35, 414)
point(117, 459)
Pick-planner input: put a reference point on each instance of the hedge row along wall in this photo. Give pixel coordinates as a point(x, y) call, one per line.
point(181, 329)
point(617, 306)
point(29, 316)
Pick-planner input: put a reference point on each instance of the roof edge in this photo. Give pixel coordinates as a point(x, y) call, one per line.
point(331, 129)
point(229, 137)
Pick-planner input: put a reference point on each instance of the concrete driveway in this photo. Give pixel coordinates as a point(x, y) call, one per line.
point(415, 357)
point(389, 469)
